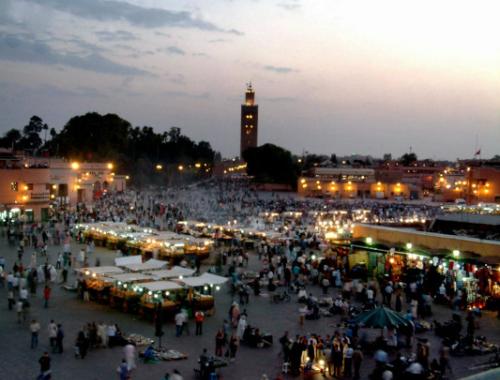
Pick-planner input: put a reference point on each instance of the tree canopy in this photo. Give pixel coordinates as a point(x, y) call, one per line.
point(271, 164)
point(95, 137)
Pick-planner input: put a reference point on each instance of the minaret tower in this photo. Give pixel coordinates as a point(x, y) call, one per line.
point(249, 121)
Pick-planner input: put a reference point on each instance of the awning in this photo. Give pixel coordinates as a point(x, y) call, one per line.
point(128, 260)
point(100, 270)
point(160, 286)
point(174, 272)
point(148, 265)
point(204, 279)
point(131, 277)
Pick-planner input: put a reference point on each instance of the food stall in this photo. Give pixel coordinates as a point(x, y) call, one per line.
point(97, 282)
point(122, 294)
point(165, 293)
point(200, 290)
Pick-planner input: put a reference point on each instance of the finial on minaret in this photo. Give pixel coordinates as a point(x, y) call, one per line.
point(249, 87)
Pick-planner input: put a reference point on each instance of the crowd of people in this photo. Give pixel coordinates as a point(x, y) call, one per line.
point(323, 287)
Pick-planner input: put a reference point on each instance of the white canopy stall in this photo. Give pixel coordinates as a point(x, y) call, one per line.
point(174, 272)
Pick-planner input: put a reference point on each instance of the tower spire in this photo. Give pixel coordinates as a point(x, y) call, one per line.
point(249, 120)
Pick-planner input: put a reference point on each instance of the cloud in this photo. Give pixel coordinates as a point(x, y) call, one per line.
point(161, 34)
point(113, 10)
point(290, 5)
point(175, 50)
point(200, 54)
point(278, 99)
point(118, 35)
point(177, 79)
point(218, 41)
point(23, 48)
point(183, 94)
point(48, 91)
point(279, 69)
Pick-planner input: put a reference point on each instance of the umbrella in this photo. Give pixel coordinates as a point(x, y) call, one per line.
point(381, 317)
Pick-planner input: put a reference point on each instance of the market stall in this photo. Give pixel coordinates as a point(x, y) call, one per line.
point(123, 295)
point(165, 293)
point(200, 290)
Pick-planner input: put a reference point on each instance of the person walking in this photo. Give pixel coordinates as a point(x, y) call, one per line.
point(357, 359)
point(46, 296)
point(123, 371)
point(35, 329)
point(59, 339)
point(52, 330)
point(44, 362)
point(199, 317)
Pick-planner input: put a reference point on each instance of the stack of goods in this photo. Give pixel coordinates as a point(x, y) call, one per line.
point(139, 340)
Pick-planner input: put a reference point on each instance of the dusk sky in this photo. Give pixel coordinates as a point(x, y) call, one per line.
point(331, 76)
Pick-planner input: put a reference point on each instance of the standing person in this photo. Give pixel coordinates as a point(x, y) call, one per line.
point(59, 339)
point(233, 347)
point(82, 345)
point(179, 322)
point(35, 329)
point(19, 310)
point(130, 354)
point(220, 342)
point(10, 298)
point(357, 359)
point(348, 353)
point(44, 362)
point(65, 274)
point(199, 317)
point(52, 330)
point(46, 296)
point(123, 371)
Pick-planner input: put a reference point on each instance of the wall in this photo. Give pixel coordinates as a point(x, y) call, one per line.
point(485, 248)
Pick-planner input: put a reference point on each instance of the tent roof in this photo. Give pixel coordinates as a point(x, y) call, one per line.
point(148, 265)
point(173, 272)
point(381, 317)
point(127, 260)
point(204, 279)
point(160, 285)
point(102, 270)
point(131, 277)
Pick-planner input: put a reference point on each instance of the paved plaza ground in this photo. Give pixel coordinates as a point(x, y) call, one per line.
point(19, 362)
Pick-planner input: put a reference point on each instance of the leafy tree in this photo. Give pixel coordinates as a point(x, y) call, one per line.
point(408, 159)
point(10, 139)
point(272, 164)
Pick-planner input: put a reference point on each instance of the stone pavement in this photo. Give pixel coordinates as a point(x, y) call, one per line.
point(19, 362)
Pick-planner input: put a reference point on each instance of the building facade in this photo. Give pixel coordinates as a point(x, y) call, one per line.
point(30, 186)
point(249, 121)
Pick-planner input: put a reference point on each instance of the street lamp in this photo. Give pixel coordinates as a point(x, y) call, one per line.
point(180, 167)
point(456, 253)
point(75, 165)
point(369, 240)
point(159, 167)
